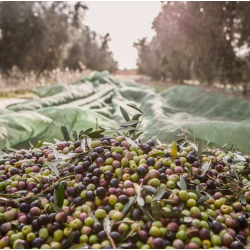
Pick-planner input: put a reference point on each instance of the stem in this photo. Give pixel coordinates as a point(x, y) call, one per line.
point(124, 221)
point(213, 179)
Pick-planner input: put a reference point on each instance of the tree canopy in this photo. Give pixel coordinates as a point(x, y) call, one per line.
point(198, 40)
point(46, 35)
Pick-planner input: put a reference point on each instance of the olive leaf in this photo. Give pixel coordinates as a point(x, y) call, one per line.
point(89, 140)
point(239, 157)
point(190, 172)
point(56, 153)
point(172, 214)
point(134, 107)
point(96, 134)
point(181, 140)
point(174, 150)
point(56, 208)
point(78, 246)
point(183, 184)
point(120, 173)
point(158, 154)
point(208, 153)
point(139, 198)
point(146, 211)
point(202, 199)
point(69, 241)
point(133, 143)
point(208, 195)
point(60, 195)
point(205, 167)
point(129, 123)
point(136, 117)
point(159, 193)
point(40, 143)
point(123, 245)
point(65, 133)
point(137, 135)
point(53, 168)
point(159, 142)
point(125, 114)
point(75, 135)
point(93, 217)
point(83, 144)
point(156, 210)
point(128, 205)
point(10, 196)
point(149, 189)
point(242, 198)
point(125, 129)
point(107, 226)
point(200, 146)
point(181, 205)
point(87, 131)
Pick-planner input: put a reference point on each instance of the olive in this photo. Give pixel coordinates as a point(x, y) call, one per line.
point(237, 245)
point(143, 236)
point(114, 182)
point(158, 243)
point(108, 175)
point(107, 208)
point(115, 236)
point(37, 242)
point(71, 191)
point(151, 161)
point(56, 226)
point(90, 196)
point(101, 192)
point(210, 184)
point(97, 227)
point(86, 181)
point(123, 199)
point(78, 169)
point(80, 188)
point(102, 235)
point(78, 201)
point(216, 226)
point(141, 171)
point(243, 222)
point(170, 235)
point(24, 207)
point(240, 238)
point(60, 217)
point(85, 165)
point(14, 171)
point(35, 224)
point(136, 214)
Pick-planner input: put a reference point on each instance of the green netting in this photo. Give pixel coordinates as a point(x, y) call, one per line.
point(214, 117)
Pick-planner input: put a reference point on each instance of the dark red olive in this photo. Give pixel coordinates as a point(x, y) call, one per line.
point(143, 236)
point(37, 242)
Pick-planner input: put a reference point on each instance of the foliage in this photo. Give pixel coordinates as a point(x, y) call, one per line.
point(46, 35)
point(198, 41)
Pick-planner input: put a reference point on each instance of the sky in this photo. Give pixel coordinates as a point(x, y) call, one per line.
point(126, 22)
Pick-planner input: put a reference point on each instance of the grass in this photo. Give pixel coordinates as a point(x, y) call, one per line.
point(16, 84)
